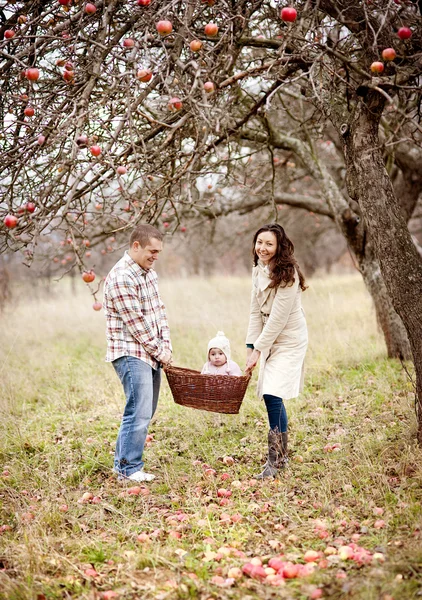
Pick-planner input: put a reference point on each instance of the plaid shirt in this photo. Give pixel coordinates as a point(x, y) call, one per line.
point(136, 318)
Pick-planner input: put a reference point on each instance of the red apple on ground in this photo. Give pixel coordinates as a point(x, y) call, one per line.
point(211, 29)
point(210, 472)
point(63, 508)
point(288, 14)
point(144, 75)
point(88, 276)
point(95, 150)
point(90, 9)
point(377, 67)
point(389, 54)
point(91, 572)
point(195, 45)
point(10, 221)
point(311, 556)
point(32, 74)
point(9, 34)
point(404, 33)
point(164, 27)
point(291, 570)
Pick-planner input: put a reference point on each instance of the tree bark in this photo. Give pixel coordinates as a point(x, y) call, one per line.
point(370, 185)
point(388, 320)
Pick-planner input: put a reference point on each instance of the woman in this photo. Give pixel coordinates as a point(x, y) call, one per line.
point(277, 334)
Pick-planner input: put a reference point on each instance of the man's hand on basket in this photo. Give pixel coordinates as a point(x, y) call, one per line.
point(252, 360)
point(166, 359)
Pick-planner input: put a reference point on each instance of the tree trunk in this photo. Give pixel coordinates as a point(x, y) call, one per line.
point(391, 325)
point(370, 185)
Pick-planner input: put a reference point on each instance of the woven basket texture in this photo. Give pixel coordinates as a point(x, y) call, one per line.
point(215, 393)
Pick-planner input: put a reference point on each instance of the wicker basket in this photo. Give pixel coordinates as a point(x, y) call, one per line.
point(216, 393)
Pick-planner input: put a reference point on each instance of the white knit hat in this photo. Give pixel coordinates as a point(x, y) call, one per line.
point(221, 342)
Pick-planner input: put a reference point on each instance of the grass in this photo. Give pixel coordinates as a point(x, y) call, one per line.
point(61, 404)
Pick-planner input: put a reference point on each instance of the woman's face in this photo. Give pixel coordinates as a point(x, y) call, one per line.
point(266, 246)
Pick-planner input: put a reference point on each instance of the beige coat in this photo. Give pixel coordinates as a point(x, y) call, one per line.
point(277, 328)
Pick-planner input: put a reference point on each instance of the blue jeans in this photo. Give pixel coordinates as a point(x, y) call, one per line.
point(141, 384)
point(277, 415)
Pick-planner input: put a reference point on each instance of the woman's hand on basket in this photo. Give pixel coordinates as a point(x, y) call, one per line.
point(251, 361)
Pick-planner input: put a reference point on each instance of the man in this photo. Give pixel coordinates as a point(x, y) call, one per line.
point(138, 343)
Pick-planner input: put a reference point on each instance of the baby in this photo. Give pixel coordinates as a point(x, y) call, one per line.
point(219, 362)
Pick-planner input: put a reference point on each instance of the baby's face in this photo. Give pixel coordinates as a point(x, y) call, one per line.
point(217, 357)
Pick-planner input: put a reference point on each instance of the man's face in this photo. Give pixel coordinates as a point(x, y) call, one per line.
point(145, 257)
point(217, 357)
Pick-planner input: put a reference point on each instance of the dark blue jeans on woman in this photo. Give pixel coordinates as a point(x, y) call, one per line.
point(277, 415)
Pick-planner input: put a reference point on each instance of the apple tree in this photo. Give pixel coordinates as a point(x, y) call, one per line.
point(111, 111)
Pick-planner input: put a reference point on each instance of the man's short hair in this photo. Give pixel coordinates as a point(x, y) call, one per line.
point(143, 233)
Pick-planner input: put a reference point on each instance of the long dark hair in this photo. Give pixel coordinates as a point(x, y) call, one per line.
point(283, 263)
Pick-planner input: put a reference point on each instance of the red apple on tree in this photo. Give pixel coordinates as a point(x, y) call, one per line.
point(41, 139)
point(68, 75)
point(10, 221)
point(175, 104)
point(404, 33)
point(164, 27)
point(90, 9)
point(128, 43)
point(9, 34)
point(377, 67)
point(389, 54)
point(82, 141)
point(30, 207)
point(209, 87)
point(144, 2)
point(64, 2)
point(121, 170)
point(95, 150)
point(88, 276)
point(211, 29)
point(29, 111)
point(195, 45)
point(144, 75)
point(32, 74)
point(288, 14)
point(97, 306)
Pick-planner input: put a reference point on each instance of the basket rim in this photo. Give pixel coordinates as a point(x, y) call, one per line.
point(169, 368)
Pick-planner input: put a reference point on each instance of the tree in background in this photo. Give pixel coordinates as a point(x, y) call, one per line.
point(112, 111)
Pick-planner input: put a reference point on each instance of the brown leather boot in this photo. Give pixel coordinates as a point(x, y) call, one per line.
point(277, 453)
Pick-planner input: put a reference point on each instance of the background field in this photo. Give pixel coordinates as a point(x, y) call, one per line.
point(61, 406)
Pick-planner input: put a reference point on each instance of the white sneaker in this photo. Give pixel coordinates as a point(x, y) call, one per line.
point(141, 476)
